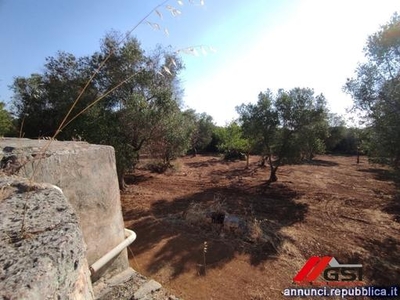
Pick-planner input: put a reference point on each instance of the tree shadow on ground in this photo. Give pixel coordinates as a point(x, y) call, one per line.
point(135, 214)
point(382, 266)
point(132, 178)
point(237, 172)
point(383, 174)
point(321, 162)
point(255, 167)
point(179, 244)
point(241, 170)
point(211, 162)
point(393, 207)
point(383, 262)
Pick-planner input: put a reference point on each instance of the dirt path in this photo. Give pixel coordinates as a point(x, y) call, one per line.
point(330, 207)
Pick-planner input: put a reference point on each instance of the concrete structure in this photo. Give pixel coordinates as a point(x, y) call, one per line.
point(87, 175)
point(50, 236)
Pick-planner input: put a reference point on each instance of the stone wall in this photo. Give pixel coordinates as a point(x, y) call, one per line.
point(86, 174)
point(49, 237)
point(42, 252)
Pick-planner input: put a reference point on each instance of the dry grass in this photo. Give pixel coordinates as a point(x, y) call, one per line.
point(312, 210)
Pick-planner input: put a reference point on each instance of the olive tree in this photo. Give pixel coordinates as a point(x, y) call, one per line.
point(285, 128)
point(376, 91)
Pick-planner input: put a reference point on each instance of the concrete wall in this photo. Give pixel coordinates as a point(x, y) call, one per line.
point(42, 252)
point(87, 175)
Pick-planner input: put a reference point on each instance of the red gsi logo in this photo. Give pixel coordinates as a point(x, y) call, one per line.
point(331, 271)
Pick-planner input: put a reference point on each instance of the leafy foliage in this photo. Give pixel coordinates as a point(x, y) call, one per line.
point(376, 91)
point(143, 107)
point(6, 121)
point(203, 127)
point(285, 128)
point(173, 137)
point(232, 142)
point(42, 100)
point(336, 132)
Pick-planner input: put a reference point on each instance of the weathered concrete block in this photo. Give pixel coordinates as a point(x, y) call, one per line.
point(87, 175)
point(145, 291)
point(42, 252)
point(130, 285)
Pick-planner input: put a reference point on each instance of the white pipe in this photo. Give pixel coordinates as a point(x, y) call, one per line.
point(130, 237)
point(58, 188)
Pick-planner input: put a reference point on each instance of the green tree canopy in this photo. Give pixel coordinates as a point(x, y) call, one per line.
point(376, 91)
point(231, 141)
point(133, 97)
point(6, 121)
point(203, 128)
point(286, 127)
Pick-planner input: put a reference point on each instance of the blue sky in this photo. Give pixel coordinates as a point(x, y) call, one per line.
point(259, 44)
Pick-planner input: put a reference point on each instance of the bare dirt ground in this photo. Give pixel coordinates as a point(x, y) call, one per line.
point(331, 206)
